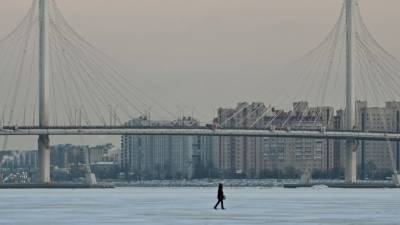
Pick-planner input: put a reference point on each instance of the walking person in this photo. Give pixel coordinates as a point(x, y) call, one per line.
point(221, 197)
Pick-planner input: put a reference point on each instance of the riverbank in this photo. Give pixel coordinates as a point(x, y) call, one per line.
point(262, 183)
point(56, 186)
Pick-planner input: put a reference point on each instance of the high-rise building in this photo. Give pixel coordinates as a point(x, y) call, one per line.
point(66, 155)
point(300, 154)
point(160, 157)
point(241, 155)
point(204, 155)
point(339, 145)
point(386, 119)
point(15, 159)
point(250, 156)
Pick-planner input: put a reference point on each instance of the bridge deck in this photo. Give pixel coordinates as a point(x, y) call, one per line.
point(200, 131)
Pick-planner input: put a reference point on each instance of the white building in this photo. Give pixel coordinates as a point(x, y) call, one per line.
point(161, 157)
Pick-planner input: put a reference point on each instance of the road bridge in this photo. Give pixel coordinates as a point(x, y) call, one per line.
point(201, 131)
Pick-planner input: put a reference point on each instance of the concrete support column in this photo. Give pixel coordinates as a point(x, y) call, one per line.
point(351, 162)
point(44, 158)
point(328, 166)
point(363, 117)
point(396, 175)
point(397, 142)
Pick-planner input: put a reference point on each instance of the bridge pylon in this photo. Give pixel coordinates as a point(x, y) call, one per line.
point(44, 88)
point(351, 151)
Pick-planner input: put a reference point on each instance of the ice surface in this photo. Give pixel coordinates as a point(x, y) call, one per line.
point(193, 206)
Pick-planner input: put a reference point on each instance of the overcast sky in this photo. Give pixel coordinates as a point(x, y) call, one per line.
point(190, 50)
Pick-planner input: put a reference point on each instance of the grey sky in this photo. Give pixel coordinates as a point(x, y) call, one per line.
point(193, 49)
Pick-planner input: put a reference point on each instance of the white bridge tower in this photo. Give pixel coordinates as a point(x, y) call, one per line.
point(351, 149)
point(44, 72)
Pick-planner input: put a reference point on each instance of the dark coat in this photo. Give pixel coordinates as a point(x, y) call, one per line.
point(221, 195)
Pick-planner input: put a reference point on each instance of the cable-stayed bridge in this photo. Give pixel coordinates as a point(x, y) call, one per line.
point(58, 84)
point(202, 131)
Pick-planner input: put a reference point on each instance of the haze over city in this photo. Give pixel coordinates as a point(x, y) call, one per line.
point(202, 47)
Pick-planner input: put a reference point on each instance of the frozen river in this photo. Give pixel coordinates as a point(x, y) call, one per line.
point(185, 206)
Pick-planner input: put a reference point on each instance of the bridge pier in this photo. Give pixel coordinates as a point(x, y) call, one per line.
point(44, 159)
point(396, 178)
point(351, 162)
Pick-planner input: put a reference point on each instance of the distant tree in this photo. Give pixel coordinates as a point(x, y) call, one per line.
point(266, 174)
point(336, 173)
point(319, 174)
point(371, 170)
point(252, 174)
point(383, 174)
point(290, 173)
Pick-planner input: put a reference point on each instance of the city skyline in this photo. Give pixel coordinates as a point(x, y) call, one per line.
point(177, 157)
